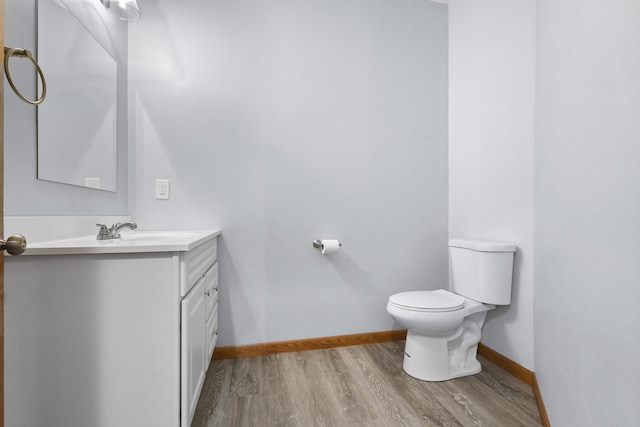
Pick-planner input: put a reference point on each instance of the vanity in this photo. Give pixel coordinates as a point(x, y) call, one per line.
point(110, 333)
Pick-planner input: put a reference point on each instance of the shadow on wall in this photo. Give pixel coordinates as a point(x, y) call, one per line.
point(351, 273)
point(229, 275)
point(499, 319)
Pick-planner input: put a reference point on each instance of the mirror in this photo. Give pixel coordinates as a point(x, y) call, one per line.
point(77, 135)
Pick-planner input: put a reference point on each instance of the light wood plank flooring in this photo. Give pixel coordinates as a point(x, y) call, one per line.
point(356, 386)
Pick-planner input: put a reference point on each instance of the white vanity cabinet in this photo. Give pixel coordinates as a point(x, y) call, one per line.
point(199, 284)
point(194, 343)
point(199, 336)
point(211, 325)
point(109, 339)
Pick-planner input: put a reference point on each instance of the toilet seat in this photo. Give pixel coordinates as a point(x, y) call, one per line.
point(427, 301)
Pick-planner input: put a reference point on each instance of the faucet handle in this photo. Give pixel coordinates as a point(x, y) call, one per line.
point(114, 231)
point(103, 233)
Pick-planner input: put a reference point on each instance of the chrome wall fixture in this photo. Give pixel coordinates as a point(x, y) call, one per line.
point(23, 53)
point(127, 10)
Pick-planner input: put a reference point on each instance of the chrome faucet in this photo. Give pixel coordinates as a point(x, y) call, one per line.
point(114, 232)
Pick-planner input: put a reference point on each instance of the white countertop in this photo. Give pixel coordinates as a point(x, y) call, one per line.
point(131, 242)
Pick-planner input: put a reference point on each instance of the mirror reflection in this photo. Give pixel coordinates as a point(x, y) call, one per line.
point(77, 124)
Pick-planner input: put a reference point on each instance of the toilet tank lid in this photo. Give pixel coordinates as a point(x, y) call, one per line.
point(482, 245)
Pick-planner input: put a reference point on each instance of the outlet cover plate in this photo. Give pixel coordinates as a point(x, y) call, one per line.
point(162, 189)
point(92, 183)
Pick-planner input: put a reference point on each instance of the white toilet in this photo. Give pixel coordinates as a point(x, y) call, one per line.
point(444, 327)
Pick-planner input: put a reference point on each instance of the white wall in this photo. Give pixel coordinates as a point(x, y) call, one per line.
point(24, 193)
point(587, 322)
point(491, 146)
point(281, 122)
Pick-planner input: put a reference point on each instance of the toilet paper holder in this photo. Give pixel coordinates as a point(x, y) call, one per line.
point(318, 243)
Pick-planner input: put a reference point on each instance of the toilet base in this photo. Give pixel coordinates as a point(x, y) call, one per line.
point(444, 358)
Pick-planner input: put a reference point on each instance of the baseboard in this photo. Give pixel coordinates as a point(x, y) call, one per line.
point(543, 411)
point(519, 372)
point(232, 352)
point(505, 363)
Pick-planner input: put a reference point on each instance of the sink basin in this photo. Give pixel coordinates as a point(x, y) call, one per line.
point(128, 237)
point(129, 241)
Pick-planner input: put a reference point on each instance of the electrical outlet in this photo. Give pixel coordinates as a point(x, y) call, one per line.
point(162, 189)
point(92, 182)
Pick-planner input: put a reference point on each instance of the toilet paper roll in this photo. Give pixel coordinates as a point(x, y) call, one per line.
point(329, 246)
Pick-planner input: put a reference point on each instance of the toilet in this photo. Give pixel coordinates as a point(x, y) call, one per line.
point(444, 327)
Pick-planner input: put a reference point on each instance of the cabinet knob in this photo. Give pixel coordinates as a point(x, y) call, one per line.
point(207, 292)
point(15, 245)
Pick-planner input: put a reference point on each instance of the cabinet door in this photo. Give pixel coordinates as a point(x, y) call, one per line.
point(193, 350)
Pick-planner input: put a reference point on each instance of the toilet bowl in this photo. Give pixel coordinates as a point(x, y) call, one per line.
point(444, 327)
point(443, 331)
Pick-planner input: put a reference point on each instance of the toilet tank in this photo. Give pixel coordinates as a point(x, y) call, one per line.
point(482, 270)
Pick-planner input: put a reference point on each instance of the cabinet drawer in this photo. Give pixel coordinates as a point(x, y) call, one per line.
point(212, 333)
point(194, 264)
point(211, 288)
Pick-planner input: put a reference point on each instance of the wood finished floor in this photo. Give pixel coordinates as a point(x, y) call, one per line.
point(356, 386)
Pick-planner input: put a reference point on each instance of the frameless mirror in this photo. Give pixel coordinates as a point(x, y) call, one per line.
point(77, 135)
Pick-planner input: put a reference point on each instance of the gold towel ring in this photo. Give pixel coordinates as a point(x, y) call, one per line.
point(23, 53)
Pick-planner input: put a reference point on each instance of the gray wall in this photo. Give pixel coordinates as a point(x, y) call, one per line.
point(587, 322)
point(24, 193)
point(571, 69)
point(491, 143)
point(284, 121)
